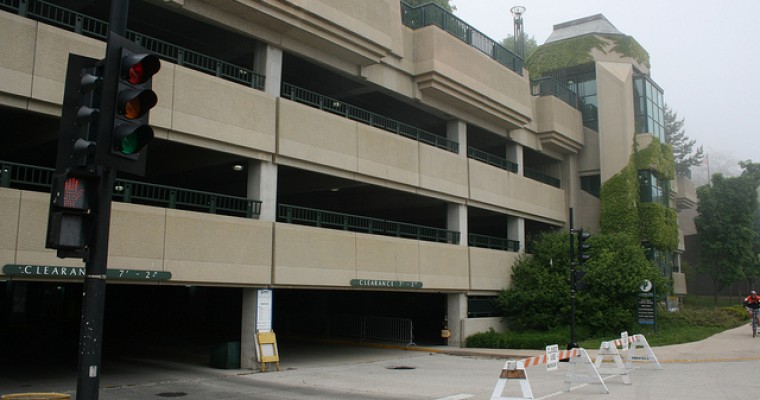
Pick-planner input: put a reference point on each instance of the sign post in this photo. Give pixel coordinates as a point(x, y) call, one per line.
point(647, 305)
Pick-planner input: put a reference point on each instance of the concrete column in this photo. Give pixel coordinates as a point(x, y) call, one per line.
point(267, 61)
point(456, 311)
point(516, 230)
point(457, 221)
point(248, 330)
point(262, 185)
point(515, 154)
point(456, 130)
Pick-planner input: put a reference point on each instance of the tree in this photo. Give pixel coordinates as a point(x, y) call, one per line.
point(539, 298)
point(727, 211)
point(752, 271)
point(446, 4)
point(684, 153)
point(530, 44)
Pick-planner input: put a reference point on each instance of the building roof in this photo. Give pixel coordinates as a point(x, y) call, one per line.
point(582, 26)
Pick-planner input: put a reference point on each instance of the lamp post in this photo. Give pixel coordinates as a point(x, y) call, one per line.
point(517, 12)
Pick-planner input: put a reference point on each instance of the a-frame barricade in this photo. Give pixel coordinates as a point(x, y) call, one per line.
point(610, 349)
point(516, 371)
point(640, 342)
point(582, 360)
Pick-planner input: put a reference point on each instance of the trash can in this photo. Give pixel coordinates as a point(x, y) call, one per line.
point(226, 356)
point(36, 396)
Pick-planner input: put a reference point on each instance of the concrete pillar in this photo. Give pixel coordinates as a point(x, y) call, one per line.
point(262, 185)
point(516, 230)
point(456, 311)
point(267, 61)
point(457, 221)
point(248, 330)
point(515, 154)
point(456, 130)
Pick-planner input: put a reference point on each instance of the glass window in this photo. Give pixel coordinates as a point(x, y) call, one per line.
point(584, 84)
point(649, 106)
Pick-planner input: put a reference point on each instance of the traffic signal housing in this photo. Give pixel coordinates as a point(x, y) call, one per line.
point(583, 246)
point(124, 132)
point(79, 113)
point(71, 219)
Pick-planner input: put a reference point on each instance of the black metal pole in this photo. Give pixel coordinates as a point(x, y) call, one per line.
point(94, 296)
point(573, 285)
point(96, 261)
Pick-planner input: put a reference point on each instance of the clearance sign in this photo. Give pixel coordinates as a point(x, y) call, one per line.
point(61, 272)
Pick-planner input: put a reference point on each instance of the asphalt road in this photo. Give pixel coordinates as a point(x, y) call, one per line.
point(726, 366)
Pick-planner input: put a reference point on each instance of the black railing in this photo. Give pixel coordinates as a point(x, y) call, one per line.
point(432, 14)
point(548, 86)
point(491, 159)
point(31, 177)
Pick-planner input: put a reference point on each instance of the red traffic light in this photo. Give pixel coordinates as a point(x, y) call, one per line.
point(138, 68)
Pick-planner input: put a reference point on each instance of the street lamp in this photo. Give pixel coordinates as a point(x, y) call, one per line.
point(517, 12)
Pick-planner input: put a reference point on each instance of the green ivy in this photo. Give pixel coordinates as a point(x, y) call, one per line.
point(576, 51)
point(621, 209)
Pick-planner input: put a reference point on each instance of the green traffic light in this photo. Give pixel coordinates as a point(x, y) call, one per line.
point(130, 139)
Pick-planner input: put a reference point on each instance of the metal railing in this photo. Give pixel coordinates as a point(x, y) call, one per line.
point(390, 329)
point(432, 14)
point(32, 177)
point(491, 159)
point(355, 223)
point(492, 242)
point(335, 106)
point(541, 177)
point(52, 14)
point(548, 86)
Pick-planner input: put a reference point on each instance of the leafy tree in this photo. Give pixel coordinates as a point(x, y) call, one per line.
point(539, 298)
point(752, 271)
point(727, 211)
point(530, 44)
point(446, 4)
point(684, 153)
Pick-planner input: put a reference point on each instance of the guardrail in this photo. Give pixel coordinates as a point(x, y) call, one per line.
point(491, 159)
point(492, 242)
point(356, 223)
point(548, 86)
point(390, 329)
point(335, 106)
point(32, 177)
point(541, 177)
point(56, 15)
point(432, 14)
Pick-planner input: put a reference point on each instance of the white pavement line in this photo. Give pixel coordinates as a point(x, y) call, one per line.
point(550, 395)
point(457, 397)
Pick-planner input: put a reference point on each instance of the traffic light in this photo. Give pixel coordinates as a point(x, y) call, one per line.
point(583, 246)
point(79, 114)
point(71, 218)
point(124, 133)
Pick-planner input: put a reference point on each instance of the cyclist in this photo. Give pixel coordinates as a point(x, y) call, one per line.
point(752, 302)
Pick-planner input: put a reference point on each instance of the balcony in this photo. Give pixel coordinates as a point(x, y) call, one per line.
point(686, 194)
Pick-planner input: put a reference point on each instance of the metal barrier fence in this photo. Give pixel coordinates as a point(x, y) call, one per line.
point(33, 177)
point(491, 159)
point(541, 177)
point(356, 223)
point(390, 329)
point(349, 111)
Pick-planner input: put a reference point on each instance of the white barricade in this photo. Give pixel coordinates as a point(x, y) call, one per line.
point(640, 342)
point(590, 376)
point(611, 349)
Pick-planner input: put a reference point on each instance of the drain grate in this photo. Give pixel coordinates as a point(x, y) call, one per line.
point(171, 394)
point(400, 367)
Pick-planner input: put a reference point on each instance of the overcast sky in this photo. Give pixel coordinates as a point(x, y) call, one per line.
point(705, 55)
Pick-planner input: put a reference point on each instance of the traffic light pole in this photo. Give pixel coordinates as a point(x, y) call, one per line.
point(93, 302)
point(573, 285)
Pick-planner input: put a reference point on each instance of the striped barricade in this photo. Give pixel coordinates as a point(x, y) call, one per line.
point(640, 342)
point(516, 370)
point(611, 349)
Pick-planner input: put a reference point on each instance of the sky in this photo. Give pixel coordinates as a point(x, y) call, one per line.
point(704, 55)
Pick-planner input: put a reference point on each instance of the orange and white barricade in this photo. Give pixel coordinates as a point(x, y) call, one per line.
point(516, 370)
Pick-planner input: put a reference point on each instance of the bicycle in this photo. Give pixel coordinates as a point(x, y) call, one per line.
point(754, 321)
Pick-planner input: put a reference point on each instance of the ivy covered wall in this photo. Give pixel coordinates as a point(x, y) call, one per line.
point(622, 211)
point(576, 51)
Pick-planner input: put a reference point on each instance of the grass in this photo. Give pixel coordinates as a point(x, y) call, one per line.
point(696, 320)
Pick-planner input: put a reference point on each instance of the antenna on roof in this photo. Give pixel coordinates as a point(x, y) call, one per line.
point(517, 12)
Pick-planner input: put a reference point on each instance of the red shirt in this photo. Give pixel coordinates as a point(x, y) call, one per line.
point(752, 301)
